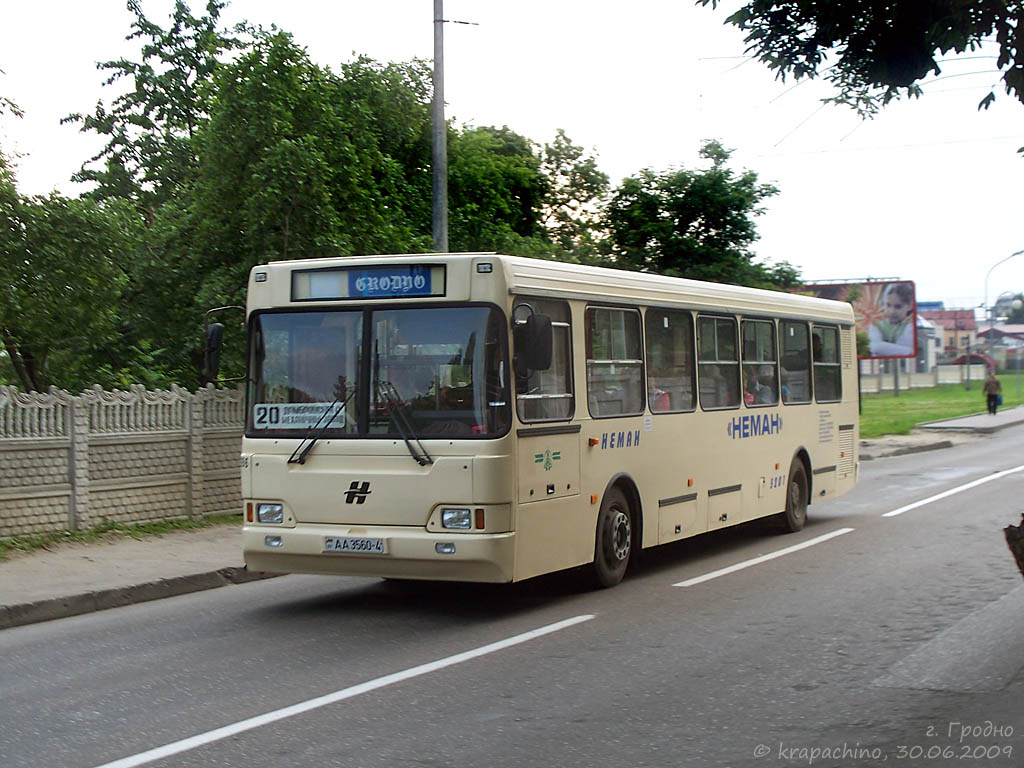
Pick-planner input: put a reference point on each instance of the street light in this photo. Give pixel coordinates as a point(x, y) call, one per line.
point(1017, 304)
point(988, 309)
point(439, 140)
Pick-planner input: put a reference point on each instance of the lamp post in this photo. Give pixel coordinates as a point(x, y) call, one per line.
point(988, 309)
point(1017, 304)
point(439, 149)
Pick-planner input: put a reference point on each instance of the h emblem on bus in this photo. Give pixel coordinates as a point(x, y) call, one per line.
point(357, 492)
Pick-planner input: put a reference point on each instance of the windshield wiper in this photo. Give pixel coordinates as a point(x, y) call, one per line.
point(316, 431)
point(391, 396)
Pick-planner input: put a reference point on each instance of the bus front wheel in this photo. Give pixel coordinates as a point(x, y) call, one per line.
point(795, 515)
point(614, 539)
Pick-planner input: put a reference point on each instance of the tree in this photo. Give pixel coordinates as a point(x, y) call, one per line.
point(875, 51)
point(576, 192)
point(149, 153)
point(261, 156)
point(297, 162)
point(696, 224)
point(62, 286)
point(496, 192)
point(1015, 310)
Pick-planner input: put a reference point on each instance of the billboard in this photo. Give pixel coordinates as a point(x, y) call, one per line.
point(885, 310)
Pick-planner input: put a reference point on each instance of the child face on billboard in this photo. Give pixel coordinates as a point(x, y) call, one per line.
point(896, 308)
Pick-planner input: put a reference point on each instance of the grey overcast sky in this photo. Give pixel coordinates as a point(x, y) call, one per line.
point(929, 191)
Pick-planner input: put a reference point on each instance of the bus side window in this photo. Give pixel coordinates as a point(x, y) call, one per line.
point(547, 395)
point(827, 374)
point(760, 378)
point(718, 362)
point(670, 374)
point(614, 362)
point(796, 362)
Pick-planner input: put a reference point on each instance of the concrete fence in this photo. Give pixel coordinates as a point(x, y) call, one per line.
point(71, 462)
point(870, 383)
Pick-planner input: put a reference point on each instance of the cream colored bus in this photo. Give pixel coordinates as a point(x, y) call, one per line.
point(478, 417)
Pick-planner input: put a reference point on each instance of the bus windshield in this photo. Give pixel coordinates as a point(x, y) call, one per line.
point(439, 370)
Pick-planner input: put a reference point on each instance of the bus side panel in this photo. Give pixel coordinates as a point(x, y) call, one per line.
point(664, 468)
point(554, 529)
point(553, 535)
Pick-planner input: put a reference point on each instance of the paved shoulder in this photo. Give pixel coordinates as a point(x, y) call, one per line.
point(78, 578)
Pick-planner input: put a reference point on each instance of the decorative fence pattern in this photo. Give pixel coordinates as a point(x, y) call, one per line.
point(870, 383)
point(73, 462)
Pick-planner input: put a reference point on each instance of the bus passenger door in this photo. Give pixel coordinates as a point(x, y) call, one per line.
point(552, 526)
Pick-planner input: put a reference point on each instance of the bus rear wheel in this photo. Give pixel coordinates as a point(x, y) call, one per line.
point(795, 515)
point(614, 539)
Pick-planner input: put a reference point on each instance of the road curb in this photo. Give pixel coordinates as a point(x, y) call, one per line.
point(100, 600)
point(908, 449)
point(951, 425)
point(979, 430)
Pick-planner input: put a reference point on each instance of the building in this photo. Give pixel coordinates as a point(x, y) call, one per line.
point(958, 327)
point(1004, 341)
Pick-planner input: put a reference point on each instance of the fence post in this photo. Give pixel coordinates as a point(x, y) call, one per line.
point(78, 466)
point(195, 455)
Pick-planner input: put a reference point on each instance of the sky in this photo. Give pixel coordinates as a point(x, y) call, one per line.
point(928, 191)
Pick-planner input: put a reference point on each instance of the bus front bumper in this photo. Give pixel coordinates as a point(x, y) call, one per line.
point(409, 553)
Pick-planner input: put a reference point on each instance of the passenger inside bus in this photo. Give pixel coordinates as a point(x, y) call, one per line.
point(759, 385)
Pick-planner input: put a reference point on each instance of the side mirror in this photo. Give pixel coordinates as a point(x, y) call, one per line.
point(211, 355)
point(533, 340)
point(538, 342)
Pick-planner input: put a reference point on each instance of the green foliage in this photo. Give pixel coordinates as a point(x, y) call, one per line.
point(64, 278)
point(496, 192)
point(877, 51)
point(693, 223)
point(296, 162)
point(231, 149)
point(863, 344)
point(576, 192)
point(149, 156)
point(1016, 314)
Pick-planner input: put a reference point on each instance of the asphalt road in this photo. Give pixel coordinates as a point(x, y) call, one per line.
point(877, 645)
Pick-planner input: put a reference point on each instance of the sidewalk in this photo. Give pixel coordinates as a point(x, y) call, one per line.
point(80, 578)
point(941, 434)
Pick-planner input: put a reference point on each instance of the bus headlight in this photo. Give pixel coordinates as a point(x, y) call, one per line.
point(270, 513)
point(457, 518)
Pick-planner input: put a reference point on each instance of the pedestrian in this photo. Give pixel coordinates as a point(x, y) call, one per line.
point(994, 391)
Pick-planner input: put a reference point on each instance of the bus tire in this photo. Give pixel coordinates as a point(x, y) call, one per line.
point(614, 541)
point(795, 515)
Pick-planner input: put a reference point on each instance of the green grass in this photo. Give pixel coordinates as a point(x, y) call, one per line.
point(107, 531)
point(885, 414)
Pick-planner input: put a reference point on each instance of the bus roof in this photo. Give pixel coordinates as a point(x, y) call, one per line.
point(579, 281)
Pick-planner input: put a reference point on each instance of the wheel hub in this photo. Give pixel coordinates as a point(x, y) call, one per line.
point(621, 535)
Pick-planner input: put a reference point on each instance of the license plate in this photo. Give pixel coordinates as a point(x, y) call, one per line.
point(354, 545)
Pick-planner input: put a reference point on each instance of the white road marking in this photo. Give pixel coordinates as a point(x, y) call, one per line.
point(217, 734)
point(761, 559)
point(952, 491)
